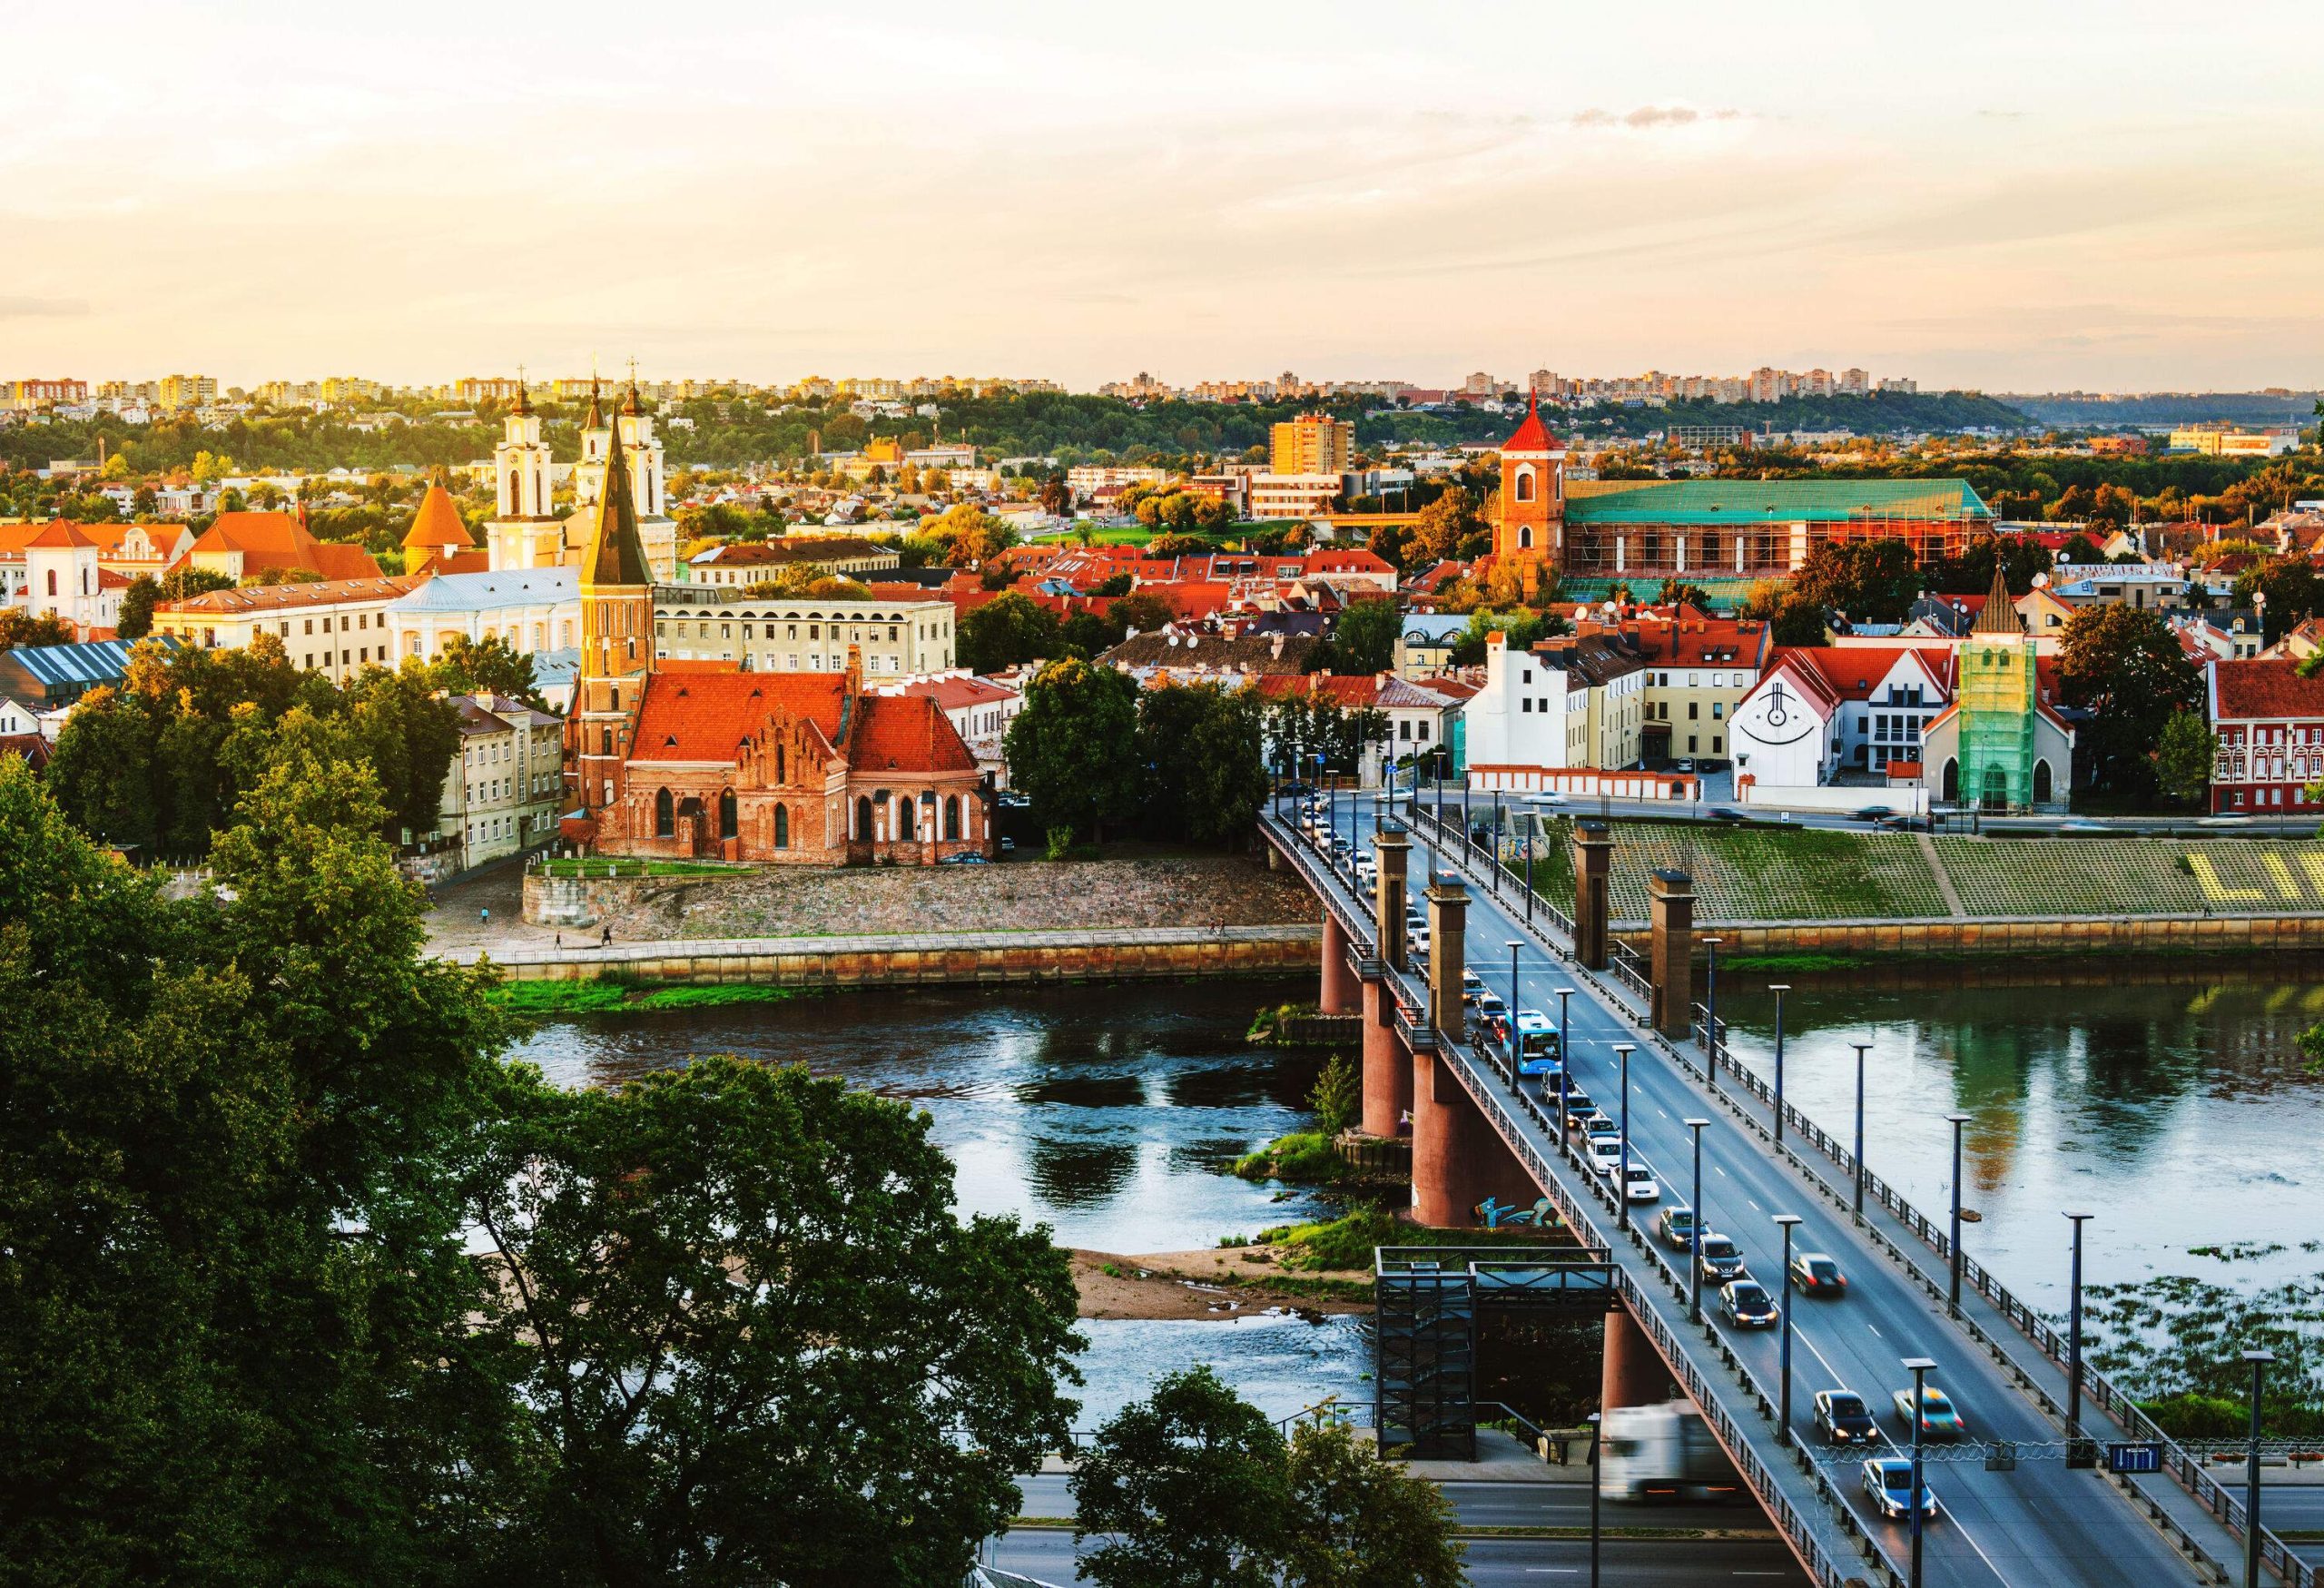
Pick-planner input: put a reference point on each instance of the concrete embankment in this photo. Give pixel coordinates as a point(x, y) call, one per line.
point(2011, 938)
point(929, 959)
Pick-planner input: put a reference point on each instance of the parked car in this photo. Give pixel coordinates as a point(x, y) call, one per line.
point(1939, 1420)
point(1748, 1305)
point(1721, 1262)
point(966, 857)
point(1842, 1418)
point(1011, 800)
point(1888, 1479)
point(1816, 1274)
point(1008, 846)
point(1677, 1226)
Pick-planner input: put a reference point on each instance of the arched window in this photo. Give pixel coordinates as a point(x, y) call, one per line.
point(727, 825)
point(780, 774)
point(903, 820)
point(605, 741)
point(1524, 484)
point(863, 819)
point(782, 828)
point(952, 817)
point(2040, 783)
point(1952, 781)
point(665, 815)
point(51, 581)
point(1525, 536)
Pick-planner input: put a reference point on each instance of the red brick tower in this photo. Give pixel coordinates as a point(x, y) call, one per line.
point(1528, 533)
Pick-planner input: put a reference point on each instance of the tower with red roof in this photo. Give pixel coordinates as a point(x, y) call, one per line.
point(1529, 531)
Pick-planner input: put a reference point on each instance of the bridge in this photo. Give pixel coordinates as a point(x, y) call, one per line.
point(2016, 1511)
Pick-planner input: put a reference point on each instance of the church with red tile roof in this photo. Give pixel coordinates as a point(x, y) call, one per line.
point(679, 759)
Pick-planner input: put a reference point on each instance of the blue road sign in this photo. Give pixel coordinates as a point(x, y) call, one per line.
point(2135, 1458)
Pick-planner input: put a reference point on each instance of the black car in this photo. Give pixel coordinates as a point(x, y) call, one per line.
point(1297, 791)
point(1724, 814)
point(1843, 1418)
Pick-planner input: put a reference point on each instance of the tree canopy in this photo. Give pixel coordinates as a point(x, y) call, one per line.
point(1073, 747)
point(2126, 666)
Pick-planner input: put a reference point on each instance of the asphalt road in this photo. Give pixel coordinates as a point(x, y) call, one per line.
point(1048, 1554)
point(2040, 1526)
point(1488, 1504)
point(2073, 826)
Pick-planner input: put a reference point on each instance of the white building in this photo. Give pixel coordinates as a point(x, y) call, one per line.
point(1578, 703)
point(979, 710)
point(502, 791)
point(531, 610)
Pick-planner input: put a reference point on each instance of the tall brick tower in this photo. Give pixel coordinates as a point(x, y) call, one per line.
point(1530, 532)
point(617, 643)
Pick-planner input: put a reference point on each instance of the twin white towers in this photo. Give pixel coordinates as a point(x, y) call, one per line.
point(525, 532)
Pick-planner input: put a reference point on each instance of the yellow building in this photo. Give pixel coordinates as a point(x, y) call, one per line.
point(1313, 443)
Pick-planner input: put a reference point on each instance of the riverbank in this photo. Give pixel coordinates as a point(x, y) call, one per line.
point(1216, 1283)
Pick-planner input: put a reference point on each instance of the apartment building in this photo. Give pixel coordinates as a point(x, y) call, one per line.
point(502, 791)
point(898, 639)
point(1576, 701)
point(1313, 443)
point(336, 627)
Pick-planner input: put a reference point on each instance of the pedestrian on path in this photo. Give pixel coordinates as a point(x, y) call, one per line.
point(484, 915)
point(607, 941)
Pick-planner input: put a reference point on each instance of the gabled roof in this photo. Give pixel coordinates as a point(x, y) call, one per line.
point(58, 534)
point(704, 712)
point(1532, 435)
point(1999, 616)
point(278, 540)
point(905, 733)
point(2263, 688)
point(437, 522)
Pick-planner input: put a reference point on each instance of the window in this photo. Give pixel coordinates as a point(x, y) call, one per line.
point(1527, 704)
point(1525, 487)
point(903, 820)
point(863, 828)
point(782, 828)
point(952, 817)
point(51, 581)
point(1694, 711)
point(665, 819)
point(727, 820)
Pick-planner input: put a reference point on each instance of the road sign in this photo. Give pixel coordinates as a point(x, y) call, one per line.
point(2135, 1458)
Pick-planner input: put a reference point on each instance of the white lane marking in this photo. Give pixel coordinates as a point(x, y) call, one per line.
point(1755, 1207)
point(1876, 1331)
point(1722, 1173)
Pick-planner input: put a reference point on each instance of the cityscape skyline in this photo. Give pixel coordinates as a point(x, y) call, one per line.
point(2117, 207)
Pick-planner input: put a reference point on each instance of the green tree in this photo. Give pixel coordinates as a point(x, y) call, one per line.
point(1871, 581)
point(1200, 751)
point(2125, 666)
point(490, 665)
point(1443, 527)
point(1073, 747)
point(1354, 1521)
point(1364, 641)
point(410, 737)
point(1682, 593)
point(1146, 614)
point(2184, 755)
point(1186, 1489)
point(19, 627)
point(1005, 631)
point(1337, 1099)
point(103, 768)
point(136, 619)
point(2286, 590)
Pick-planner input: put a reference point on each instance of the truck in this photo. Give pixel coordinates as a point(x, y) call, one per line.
point(1663, 1452)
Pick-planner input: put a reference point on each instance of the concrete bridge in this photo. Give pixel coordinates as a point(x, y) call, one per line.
point(2015, 1510)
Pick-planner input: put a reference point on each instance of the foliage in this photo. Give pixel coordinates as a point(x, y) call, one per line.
point(488, 666)
point(1073, 746)
point(1364, 641)
point(2184, 755)
point(967, 536)
point(1338, 1097)
point(1521, 629)
point(1447, 527)
point(1793, 616)
point(1346, 1243)
point(1200, 761)
point(1006, 631)
point(1869, 581)
point(1187, 1488)
point(1300, 727)
point(1354, 1521)
point(2126, 666)
point(2176, 1341)
point(19, 627)
point(2291, 590)
point(611, 995)
point(1306, 1157)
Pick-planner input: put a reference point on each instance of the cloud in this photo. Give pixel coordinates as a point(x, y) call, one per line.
point(42, 308)
point(1648, 117)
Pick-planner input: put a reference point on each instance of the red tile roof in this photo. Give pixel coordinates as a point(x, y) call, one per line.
point(1348, 689)
point(437, 522)
point(1532, 436)
point(56, 534)
point(704, 711)
point(278, 540)
point(905, 733)
point(2272, 688)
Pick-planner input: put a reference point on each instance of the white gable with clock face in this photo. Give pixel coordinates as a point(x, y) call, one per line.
point(1782, 732)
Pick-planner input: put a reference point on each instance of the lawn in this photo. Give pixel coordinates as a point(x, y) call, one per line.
point(611, 995)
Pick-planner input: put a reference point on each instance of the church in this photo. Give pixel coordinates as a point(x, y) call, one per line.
point(687, 759)
point(527, 532)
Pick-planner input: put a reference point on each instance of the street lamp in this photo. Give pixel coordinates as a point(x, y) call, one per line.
point(1695, 1230)
point(1596, 1483)
point(1953, 1296)
point(1622, 1185)
point(2074, 1344)
point(1783, 1430)
point(2258, 1359)
point(1510, 1041)
point(1565, 1061)
point(1921, 1367)
point(1780, 988)
point(1859, 1047)
point(1710, 1011)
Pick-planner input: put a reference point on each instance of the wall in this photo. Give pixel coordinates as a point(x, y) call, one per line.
point(2126, 935)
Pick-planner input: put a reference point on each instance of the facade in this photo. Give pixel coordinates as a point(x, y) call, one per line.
point(1699, 669)
point(1578, 701)
point(1529, 531)
point(893, 639)
point(56, 571)
point(1295, 496)
point(525, 530)
point(979, 710)
point(2269, 727)
point(501, 794)
point(739, 565)
point(336, 627)
point(528, 533)
point(532, 610)
point(1313, 443)
point(675, 758)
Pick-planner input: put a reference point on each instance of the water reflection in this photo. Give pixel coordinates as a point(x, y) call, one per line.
point(1075, 1172)
point(1282, 1364)
point(2182, 1111)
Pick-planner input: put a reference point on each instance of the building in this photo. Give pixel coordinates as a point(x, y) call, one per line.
point(891, 638)
point(1295, 496)
point(1699, 669)
point(439, 541)
point(258, 548)
point(333, 626)
point(48, 678)
point(501, 794)
point(979, 710)
point(741, 564)
point(2270, 726)
point(183, 391)
point(676, 758)
point(30, 394)
point(1424, 643)
point(1576, 701)
point(2219, 441)
point(57, 571)
point(2002, 746)
point(1529, 531)
point(525, 530)
point(1313, 443)
point(532, 611)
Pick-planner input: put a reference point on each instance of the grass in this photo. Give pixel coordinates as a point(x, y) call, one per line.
point(610, 995)
point(1346, 1242)
point(1791, 962)
point(1303, 1157)
point(594, 869)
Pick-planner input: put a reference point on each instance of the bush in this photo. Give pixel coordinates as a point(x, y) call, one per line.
point(1338, 1097)
point(1304, 1157)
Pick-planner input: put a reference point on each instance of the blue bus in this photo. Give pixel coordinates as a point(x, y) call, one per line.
point(1539, 1048)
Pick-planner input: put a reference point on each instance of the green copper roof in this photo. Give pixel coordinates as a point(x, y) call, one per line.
point(1768, 501)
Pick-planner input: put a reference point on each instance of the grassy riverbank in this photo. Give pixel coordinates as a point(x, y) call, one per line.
point(610, 995)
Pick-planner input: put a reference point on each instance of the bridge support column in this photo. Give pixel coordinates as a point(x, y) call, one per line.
point(1448, 930)
point(1394, 851)
point(1339, 994)
point(1593, 854)
point(1633, 1374)
point(1458, 1159)
point(1670, 963)
point(1387, 1068)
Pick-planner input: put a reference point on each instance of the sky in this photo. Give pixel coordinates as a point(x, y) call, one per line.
point(2012, 197)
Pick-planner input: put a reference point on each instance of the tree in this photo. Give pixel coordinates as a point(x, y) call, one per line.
point(2125, 666)
point(1200, 748)
point(2286, 590)
point(1354, 1521)
point(1177, 544)
point(1871, 581)
point(1682, 593)
point(1338, 1097)
point(1187, 1488)
point(136, 618)
point(490, 665)
point(1364, 641)
point(1146, 614)
point(103, 768)
point(798, 1326)
point(19, 627)
point(1443, 527)
point(1006, 630)
point(185, 581)
point(209, 468)
point(1073, 746)
point(1056, 496)
point(410, 738)
point(2184, 755)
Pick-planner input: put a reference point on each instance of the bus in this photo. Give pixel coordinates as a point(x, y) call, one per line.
point(1540, 1050)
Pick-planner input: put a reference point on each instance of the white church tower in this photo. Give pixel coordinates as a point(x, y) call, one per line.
point(524, 533)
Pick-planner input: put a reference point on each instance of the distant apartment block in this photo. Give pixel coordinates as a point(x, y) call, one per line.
point(35, 393)
point(179, 391)
point(1313, 443)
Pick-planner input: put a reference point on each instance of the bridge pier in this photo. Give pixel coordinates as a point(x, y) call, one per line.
point(1339, 993)
point(1671, 961)
point(1632, 1373)
point(1387, 1068)
point(1394, 851)
point(1458, 1159)
point(1593, 853)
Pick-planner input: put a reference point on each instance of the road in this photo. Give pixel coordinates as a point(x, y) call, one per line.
point(1487, 1504)
point(1048, 1554)
point(2040, 1526)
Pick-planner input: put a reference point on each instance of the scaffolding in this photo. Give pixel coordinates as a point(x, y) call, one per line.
point(1997, 693)
point(1429, 1299)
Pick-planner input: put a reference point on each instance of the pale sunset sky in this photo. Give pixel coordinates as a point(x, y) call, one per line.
point(2021, 196)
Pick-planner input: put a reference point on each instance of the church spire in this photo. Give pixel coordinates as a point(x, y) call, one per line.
point(2000, 616)
point(595, 420)
point(616, 554)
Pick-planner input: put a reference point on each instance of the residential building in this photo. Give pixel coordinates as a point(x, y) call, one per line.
point(1313, 443)
point(29, 394)
point(183, 391)
point(531, 610)
point(979, 710)
point(1699, 669)
point(55, 571)
point(892, 638)
point(502, 792)
point(1576, 701)
point(2269, 722)
point(252, 547)
point(1173, 653)
point(1295, 496)
point(1424, 645)
point(333, 626)
point(2159, 587)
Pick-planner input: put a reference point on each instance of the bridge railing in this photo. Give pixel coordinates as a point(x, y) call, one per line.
point(2225, 1503)
point(1627, 968)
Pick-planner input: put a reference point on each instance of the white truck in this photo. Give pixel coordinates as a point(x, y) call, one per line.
point(1663, 1452)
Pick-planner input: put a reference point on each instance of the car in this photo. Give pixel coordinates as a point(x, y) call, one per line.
point(1721, 1262)
point(1888, 1479)
point(1297, 791)
point(966, 857)
point(1546, 798)
point(1418, 938)
point(1009, 846)
point(1579, 1104)
point(2082, 827)
point(1012, 800)
point(1596, 1122)
point(1725, 814)
point(1842, 1418)
point(1939, 1420)
point(1605, 1155)
point(1677, 1226)
point(1682, 766)
point(1748, 1305)
point(1490, 1008)
point(1472, 985)
point(1639, 1185)
point(2224, 822)
point(1816, 1274)
point(1875, 813)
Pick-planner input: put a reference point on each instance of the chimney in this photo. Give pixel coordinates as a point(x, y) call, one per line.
point(1275, 647)
point(854, 670)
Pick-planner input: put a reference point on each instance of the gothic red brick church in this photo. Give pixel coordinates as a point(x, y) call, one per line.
point(681, 759)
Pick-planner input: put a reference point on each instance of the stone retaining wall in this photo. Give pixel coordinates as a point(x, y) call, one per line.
point(2154, 934)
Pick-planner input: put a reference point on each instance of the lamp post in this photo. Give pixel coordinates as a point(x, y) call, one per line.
point(1622, 1182)
point(1510, 1041)
point(1783, 1428)
point(1953, 1293)
point(2259, 1359)
point(1859, 1207)
point(1695, 1230)
point(1921, 1367)
point(1710, 1011)
point(1494, 858)
point(2074, 1342)
point(1529, 875)
point(1780, 988)
point(1596, 1483)
point(1565, 1061)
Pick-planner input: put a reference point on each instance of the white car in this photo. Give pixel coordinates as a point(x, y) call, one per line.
point(1419, 939)
point(1605, 1155)
point(1548, 797)
point(1640, 1186)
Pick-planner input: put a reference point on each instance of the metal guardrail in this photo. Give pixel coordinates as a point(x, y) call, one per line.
point(1627, 968)
point(2097, 1390)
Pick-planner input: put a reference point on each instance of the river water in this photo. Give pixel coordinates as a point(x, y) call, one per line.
point(2179, 1112)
